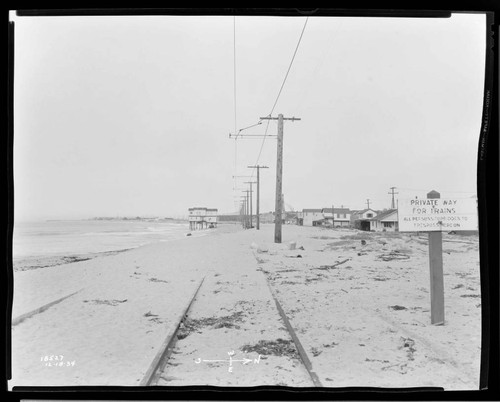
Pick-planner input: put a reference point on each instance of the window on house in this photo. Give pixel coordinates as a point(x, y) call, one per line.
point(369, 215)
point(387, 224)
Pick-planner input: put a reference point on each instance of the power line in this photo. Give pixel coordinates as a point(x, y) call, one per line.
point(234, 70)
point(262, 145)
point(234, 96)
point(281, 89)
point(290, 66)
point(237, 134)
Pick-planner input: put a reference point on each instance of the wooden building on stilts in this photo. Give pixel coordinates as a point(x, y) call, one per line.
point(202, 218)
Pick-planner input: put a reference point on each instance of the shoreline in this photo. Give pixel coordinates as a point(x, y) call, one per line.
point(33, 262)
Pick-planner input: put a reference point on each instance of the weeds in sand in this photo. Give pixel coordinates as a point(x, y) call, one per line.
point(393, 255)
point(157, 280)
point(190, 325)
point(278, 347)
point(409, 345)
point(397, 307)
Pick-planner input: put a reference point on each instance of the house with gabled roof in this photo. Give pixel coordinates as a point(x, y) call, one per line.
point(385, 221)
point(361, 219)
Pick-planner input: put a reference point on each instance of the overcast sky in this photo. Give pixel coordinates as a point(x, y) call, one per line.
point(132, 115)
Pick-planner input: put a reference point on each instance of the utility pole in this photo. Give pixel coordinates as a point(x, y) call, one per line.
point(258, 167)
point(333, 217)
point(251, 203)
point(393, 204)
point(368, 202)
point(279, 175)
point(248, 208)
point(245, 209)
point(242, 211)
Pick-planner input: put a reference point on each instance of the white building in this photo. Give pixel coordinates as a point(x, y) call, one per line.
point(361, 219)
point(385, 221)
point(312, 217)
point(338, 216)
point(202, 218)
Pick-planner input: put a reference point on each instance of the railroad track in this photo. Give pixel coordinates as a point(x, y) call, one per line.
point(300, 349)
point(160, 361)
point(155, 374)
point(17, 320)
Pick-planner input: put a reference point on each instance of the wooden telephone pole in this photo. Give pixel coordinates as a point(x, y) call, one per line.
point(251, 202)
point(247, 201)
point(279, 175)
point(258, 167)
point(243, 212)
point(393, 204)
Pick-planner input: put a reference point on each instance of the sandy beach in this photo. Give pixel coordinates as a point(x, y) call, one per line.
point(358, 301)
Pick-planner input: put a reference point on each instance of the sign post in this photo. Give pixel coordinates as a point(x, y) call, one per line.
point(435, 215)
point(436, 271)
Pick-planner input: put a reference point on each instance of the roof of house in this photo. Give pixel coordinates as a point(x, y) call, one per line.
point(384, 214)
point(337, 210)
point(363, 211)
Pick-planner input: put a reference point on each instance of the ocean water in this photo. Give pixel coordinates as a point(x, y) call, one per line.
point(81, 237)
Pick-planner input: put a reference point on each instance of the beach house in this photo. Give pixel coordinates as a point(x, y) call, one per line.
point(361, 219)
point(202, 218)
point(312, 217)
point(338, 217)
point(385, 221)
point(211, 217)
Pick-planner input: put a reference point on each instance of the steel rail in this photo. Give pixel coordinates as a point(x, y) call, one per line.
point(302, 353)
point(165, 351)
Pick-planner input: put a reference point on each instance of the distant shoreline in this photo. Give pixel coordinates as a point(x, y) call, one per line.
point(30, 263)
point(33, 262)
point(137, 218)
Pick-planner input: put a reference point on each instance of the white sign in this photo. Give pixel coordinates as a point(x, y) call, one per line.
point(437, 214)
